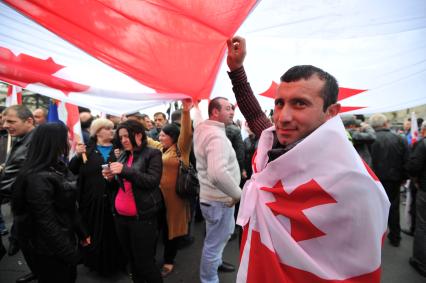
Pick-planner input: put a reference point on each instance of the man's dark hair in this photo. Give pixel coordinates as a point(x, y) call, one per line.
point(2, 108)
point(330, 89)
point(22, 112)
point(176, 116)
point(162, 114)
point(215, 104)
point(133, 128)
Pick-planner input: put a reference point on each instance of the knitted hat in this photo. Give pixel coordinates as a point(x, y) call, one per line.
point(98, 124)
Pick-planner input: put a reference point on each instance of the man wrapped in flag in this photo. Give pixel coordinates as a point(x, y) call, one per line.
point(313, 211)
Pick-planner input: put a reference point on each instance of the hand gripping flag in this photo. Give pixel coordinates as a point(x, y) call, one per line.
point(315, 214)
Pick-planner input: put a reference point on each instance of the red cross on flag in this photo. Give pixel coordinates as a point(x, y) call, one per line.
point(315, 214)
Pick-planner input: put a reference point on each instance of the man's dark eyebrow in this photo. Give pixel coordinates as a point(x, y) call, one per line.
point(279, 100)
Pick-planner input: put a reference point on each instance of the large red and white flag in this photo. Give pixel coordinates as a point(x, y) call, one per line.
point(14, 95)
point(316, 214)
point(121, 56)
point(414, 130)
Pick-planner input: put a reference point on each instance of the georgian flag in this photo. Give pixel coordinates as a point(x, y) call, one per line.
point(122, 56)
point(14, 95)
point(316, 214)
point(414, 130)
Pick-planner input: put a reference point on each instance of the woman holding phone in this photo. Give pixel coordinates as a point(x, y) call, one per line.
point(137, 199)
point(104, 255)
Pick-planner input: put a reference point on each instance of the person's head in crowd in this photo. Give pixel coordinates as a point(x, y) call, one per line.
point(176, 116)
point(379, 121)
point(419, 122)
point(160, 120)
point(40, 116)
point(86, 119)
point(221, 110)
point(360, 117)
point(102, 131)
point(130, 135)
point(351, 122)
point(407, 125)
point(305, 99)
point(423, 129)
point(148, 123)
point(114, 119)
point(169, 135)
point(138, 117)
point(48, 146)
point(18, 120)
point(2, 108)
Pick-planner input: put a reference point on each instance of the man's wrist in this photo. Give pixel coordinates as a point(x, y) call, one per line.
point(238, 75)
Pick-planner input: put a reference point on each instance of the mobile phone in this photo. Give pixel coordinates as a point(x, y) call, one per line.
point(105, 166)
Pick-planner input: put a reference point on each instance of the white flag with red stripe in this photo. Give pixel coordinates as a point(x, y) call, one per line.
point(14, 95)
point(121, 56)
point(414, 130)
point(315, 214)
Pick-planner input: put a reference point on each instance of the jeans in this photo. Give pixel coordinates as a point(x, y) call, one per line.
point(220, 224)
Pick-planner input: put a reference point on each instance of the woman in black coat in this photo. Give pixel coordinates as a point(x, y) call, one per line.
point(137, 201)
point(45, 208)
point(104, 255)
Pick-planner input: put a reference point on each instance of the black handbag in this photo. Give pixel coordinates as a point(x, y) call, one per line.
point(187, 184)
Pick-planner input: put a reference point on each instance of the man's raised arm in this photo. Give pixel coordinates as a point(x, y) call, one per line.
point(247, 102)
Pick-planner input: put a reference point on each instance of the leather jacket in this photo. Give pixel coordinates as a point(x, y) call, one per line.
point(144, 175)
point(13, 163)
point(45, 213)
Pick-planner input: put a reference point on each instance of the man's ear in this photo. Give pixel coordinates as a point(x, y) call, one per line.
point(332, 110)
point(30, 120)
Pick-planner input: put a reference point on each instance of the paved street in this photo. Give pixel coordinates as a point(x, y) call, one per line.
point(395, 263)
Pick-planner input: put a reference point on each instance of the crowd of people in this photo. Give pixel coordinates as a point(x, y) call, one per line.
point(109, 204)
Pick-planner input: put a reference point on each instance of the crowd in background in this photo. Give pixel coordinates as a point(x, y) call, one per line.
point(143, 153)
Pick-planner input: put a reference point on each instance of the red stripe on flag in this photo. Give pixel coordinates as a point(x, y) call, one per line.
point(265, 266)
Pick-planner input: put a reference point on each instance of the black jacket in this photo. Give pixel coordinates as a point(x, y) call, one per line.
point(14, 161)
point(416, 165)
point(389, 154)
point(145, 175)
point(234, 135)
point(362, 141)
point(45, 213)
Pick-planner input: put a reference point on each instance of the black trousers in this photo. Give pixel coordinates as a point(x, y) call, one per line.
point(170, 246)
point(49, 269)
point(392, 190)
point(419, 243)
point(138, 239)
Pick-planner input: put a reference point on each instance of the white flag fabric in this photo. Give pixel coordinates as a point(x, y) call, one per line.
point(315, 214)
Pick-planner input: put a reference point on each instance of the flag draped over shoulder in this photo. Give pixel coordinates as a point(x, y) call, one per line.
point(315, 214)
point(68, 114)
